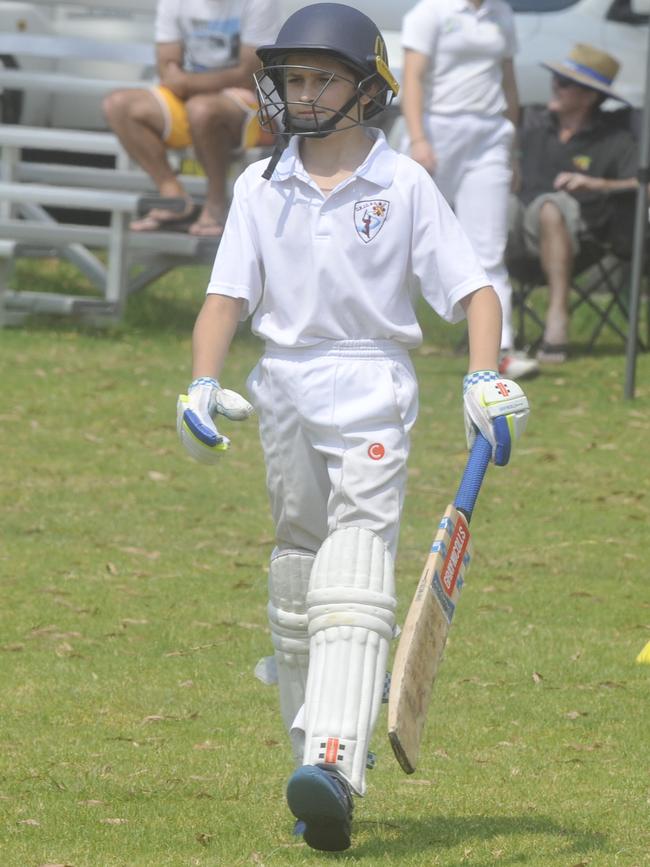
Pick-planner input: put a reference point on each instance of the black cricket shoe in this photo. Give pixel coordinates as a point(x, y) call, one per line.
point(322, 799)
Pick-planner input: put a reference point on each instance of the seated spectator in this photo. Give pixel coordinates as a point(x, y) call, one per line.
point(572, 159)
point(206, 58)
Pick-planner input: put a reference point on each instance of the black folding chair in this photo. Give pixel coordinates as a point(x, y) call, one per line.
point(601, 283)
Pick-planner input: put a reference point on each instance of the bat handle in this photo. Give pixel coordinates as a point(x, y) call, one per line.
point(470, 484)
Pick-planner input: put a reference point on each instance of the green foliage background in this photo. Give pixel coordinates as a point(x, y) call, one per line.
point(132, 613)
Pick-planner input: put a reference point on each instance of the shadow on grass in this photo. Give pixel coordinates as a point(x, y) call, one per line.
point(147, 314)
point(404, 836)
point(153, 318)
point(168, 305)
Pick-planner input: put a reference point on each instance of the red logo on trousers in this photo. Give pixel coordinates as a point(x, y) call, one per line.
point(376, 451)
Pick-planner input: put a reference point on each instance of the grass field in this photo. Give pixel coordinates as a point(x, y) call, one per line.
point(132, 613)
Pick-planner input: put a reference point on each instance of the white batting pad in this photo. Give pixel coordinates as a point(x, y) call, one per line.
point(287, 612)
point(351, 613)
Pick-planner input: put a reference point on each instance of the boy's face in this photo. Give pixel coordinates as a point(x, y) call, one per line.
point(318, 86)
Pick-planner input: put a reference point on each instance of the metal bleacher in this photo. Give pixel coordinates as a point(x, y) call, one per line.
point(115, 260)
point(28, 189)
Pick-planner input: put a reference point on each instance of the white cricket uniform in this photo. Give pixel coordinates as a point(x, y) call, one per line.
point(331, 284)
point(212, 30)
point(465, 122)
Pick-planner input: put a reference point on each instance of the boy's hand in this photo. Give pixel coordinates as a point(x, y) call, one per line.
point(195, 412)
point(497, 408)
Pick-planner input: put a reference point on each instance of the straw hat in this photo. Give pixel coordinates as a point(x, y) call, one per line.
point(590, 67)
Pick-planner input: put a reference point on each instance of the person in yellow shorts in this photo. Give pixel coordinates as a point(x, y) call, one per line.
point(205, 55)
point(177, 134)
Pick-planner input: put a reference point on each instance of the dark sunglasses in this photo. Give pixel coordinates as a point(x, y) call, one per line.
point(561, 82)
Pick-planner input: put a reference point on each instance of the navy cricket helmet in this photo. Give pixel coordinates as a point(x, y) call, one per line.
point(340, 32)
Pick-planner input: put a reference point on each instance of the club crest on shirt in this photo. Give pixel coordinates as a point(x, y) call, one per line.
point(582, 162)
point(369, 217)
point(450, 24)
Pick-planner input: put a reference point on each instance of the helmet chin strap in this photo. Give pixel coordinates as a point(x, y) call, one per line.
point(307, 128)
point(278, 149)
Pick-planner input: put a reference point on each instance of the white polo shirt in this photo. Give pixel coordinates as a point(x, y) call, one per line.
point(347, 267)
point(467, 46)
point(212, 30)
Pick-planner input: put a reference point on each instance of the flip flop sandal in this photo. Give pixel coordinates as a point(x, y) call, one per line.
point(206, 230)
point(176, 223)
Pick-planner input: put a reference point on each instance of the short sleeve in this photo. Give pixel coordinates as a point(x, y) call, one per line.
point(443, 260)
point(510, 32)
point(167, 26)
point(420, 28)
point(237, 270)
point(260, 22)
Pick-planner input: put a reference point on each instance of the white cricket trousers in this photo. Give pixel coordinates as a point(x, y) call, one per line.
point(474, 174)
point(334, 424)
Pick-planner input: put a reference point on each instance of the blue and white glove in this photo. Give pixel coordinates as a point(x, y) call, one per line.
point(195, 413)
point(497, 408)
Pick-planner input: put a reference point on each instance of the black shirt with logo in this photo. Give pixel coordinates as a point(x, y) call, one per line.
point(604, 149)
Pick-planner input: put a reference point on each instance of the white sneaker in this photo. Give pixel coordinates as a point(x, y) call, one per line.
point(514, 364)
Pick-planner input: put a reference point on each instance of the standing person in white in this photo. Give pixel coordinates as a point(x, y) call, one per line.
point(461, 107)
point(327, 248)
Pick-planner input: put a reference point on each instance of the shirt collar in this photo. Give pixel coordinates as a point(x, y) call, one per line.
point(377, 168)
point(462, 5)
point(596, 121)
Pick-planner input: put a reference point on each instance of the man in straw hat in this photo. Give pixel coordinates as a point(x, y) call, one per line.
point(572, 158)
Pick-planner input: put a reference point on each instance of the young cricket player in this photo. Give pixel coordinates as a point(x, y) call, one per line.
point(327, 249)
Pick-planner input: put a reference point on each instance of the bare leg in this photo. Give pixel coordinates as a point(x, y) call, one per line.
point(556, 255)
point(215, 122)
point(137, 120)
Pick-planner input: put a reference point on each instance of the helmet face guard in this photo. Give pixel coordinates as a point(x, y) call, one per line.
point(276, 113)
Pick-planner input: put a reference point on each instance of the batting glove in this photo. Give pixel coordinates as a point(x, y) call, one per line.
point(195, 413)
point(497, 408)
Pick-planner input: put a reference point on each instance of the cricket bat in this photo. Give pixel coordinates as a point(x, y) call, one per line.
point(424, 635)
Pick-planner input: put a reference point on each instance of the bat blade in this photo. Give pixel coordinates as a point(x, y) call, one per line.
point(424, 635)
point(425, 631)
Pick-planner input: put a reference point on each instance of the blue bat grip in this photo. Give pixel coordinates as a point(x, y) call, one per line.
point(470, 484)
